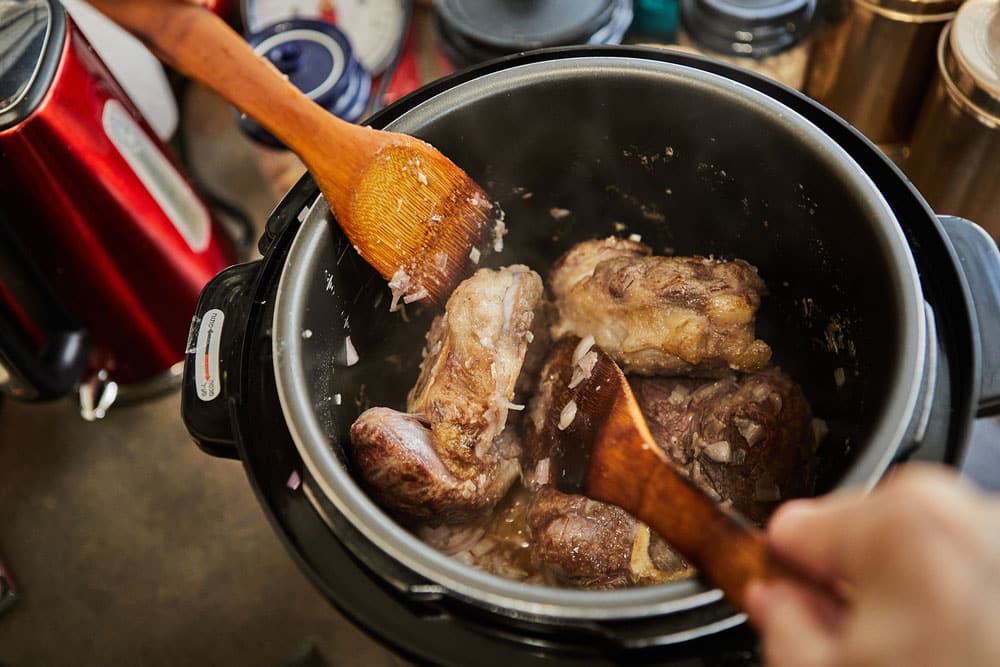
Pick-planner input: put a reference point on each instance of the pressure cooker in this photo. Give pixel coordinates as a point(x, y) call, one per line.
point(878, 307)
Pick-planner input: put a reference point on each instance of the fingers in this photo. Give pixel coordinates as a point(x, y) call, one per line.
point(919, 474)
point(819, 534)
point(792, 624)
point(834, 536)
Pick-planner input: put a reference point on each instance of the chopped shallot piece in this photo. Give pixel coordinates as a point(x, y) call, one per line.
point(720, 451)
point(751, 431)
point(499, 231)
point(540, 475)
point(820, 430)
point(351, 354)
point(510, 406)
point(400, 285)
point(582, 348)
point(567, 415)
point(416, 296)
point(583, 368)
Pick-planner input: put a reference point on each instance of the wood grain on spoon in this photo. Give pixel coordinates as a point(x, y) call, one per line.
point(608, 453)
point(409, 211)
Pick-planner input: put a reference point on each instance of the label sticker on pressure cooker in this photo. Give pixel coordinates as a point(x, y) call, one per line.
point(206, 355)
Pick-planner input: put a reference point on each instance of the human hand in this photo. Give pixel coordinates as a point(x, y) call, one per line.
point(920, 557)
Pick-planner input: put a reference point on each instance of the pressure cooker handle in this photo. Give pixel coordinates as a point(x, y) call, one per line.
point(43, 349)
point(980, 261)
point(212, 363)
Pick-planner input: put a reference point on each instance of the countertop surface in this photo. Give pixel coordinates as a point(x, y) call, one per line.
point(131, 547)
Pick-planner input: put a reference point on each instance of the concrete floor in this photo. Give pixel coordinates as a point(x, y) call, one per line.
point(132, 547)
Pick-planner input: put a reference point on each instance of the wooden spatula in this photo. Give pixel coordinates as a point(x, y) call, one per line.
point(605, 451)
point(410, 212)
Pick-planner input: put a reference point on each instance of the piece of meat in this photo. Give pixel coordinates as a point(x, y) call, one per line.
point(746, 441)
point(449, 458)
point(568, 530)
point(660, 315)
point(540, 341)
point(538, 447)
point(581, 542)
point(588, 544)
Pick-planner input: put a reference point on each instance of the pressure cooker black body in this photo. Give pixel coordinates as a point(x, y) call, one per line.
point(869, 307)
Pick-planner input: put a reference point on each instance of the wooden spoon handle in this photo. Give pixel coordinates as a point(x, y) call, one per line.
point(730, 552)
point(198, 43)
point(635, 474)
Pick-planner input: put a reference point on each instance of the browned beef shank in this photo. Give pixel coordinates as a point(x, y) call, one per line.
point(448, 458)
point(659, 315)
point(748, 441)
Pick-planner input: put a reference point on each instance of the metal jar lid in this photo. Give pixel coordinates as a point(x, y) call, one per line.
point(969, 58)
point(750, 28)
point(515, 25)
point(913, 11)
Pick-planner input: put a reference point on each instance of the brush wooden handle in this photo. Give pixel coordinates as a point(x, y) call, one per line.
point(629, 470)
point(199, 44)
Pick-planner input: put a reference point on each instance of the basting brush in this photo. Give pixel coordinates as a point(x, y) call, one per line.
point(410, 212)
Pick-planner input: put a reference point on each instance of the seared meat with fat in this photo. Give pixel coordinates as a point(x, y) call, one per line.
point(449, 466)
point(581, 542)
point(538, 349)
point(746, 441)
point(448, 459)
point(575, 540)
point(660, 315)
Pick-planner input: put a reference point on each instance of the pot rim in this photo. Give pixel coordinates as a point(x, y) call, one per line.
point(492, 591)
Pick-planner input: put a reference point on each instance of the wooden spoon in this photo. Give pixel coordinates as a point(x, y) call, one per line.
point(409, 211)
point(605, 450)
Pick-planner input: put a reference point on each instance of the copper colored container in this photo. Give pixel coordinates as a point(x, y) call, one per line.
point(955, 157)
point(874, 65)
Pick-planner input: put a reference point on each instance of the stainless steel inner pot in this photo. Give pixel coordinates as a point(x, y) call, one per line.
point(691, 161)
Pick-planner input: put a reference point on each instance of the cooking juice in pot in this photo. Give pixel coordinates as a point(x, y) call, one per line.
point(469, 465)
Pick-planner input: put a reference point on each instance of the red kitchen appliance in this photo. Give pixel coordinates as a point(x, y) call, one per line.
point(104, 244)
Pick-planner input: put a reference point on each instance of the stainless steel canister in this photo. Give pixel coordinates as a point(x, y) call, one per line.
point(873, 66)
point(955, 155)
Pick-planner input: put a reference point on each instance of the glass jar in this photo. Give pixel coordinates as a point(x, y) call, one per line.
point(769, 37)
